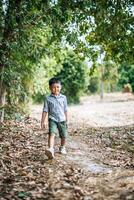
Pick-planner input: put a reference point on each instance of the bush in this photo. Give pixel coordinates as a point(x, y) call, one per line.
point(127, 88)
point(73, 77)
point(126, 73)
point(93, 85)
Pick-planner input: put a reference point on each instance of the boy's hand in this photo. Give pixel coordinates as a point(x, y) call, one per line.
point(43, 120)
point(66, 124)
point(43, 125)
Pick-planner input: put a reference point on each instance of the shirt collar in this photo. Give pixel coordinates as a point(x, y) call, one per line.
point(56, 96)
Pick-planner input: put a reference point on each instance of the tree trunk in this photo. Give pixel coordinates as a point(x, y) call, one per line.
point(2, 94)
point(102, 82)
point(13, 8)
point(102, 89)
point(2, 103)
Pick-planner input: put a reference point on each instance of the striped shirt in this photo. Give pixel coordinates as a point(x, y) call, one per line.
point(56, 106)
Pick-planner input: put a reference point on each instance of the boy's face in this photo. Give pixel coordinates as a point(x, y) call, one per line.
point(55, 88)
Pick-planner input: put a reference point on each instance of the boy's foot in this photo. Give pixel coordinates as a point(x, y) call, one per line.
point(63, 150)
point(49, 153)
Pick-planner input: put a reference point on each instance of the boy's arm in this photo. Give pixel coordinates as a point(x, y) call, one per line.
point(44, 114)
point(66, 116)
point(65, 110)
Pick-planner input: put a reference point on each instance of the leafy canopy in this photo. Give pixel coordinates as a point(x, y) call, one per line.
point(73, 76)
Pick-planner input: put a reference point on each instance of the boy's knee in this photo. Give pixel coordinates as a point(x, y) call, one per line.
point(51, 135)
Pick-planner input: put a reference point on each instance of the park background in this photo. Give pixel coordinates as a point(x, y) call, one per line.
point(89, 46)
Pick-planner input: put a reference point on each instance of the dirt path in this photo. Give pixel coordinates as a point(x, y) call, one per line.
point(116, 109)
point(81, 154)
point(101, 152)
point(100, 160)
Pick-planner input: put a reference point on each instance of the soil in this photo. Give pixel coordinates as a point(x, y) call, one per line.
point(99, 164)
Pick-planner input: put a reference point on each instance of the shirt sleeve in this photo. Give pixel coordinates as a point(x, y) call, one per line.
point(45, 107)
point(65, 104)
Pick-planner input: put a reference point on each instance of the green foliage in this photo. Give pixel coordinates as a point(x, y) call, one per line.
point(30, 42)
point(110, 76)
point(126, 72)
point(127, 88)
point(105, 72)
point(47, 68)
point(93, 84)
point(107, 24)
point(73, 77)
point(112, 28)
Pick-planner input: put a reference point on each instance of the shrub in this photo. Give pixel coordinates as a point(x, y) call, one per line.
point(93, 85)
point(73, 77)
point(127, 88)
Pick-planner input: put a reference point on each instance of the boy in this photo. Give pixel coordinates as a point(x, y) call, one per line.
point(55, 106)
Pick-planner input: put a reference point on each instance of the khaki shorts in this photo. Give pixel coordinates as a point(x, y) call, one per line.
point(58, 128)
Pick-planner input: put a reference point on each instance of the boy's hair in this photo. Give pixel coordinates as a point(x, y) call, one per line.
point(54, 80)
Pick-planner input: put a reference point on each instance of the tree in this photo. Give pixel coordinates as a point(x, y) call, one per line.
point(110, 25)
point(108, 74)
point(73, 76)
point(126, 72)
point(23, 24)
point(71, 19)
point(93, 84)
point(104, 77)
point(20, 19)
point(48, 67)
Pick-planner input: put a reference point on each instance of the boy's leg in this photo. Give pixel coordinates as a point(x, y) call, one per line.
point(63, 141)
point(51, 139)
point(50, 152)
point(62, 147)
point(63, 135)
point(63, 132)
